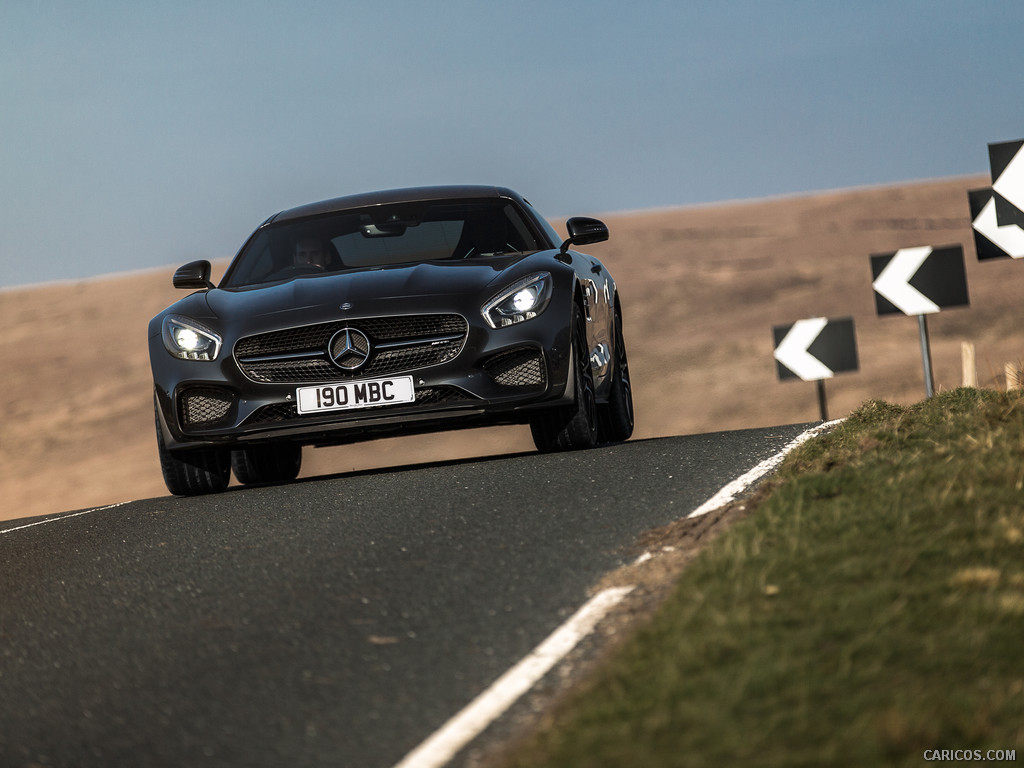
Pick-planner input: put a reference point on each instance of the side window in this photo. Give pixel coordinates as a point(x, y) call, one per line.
point(258, 263)
point(519, 235)
point(553, 236)
point(263, 265)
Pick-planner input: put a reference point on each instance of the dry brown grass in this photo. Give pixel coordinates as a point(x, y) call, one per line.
point(701, 289)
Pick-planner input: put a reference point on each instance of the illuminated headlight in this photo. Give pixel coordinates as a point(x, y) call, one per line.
point(520, 301)
point(187, 340)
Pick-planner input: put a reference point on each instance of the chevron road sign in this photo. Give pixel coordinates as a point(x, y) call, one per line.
point(919, 281)
point(992, 240)
point(1007, 161)
point(997, 212)
point(815, 349)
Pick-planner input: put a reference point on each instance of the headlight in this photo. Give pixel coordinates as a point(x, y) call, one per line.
point(187, 340)
point(520, 301)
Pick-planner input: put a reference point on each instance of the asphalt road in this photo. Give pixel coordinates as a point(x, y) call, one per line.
point(336, 621)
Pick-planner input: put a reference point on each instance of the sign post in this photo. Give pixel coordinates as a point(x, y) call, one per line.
point(814, 350)
point(926, 355)
point(822, 400)
point(920, 282)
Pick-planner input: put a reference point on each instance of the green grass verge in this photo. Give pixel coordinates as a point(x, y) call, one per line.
point(871, 608)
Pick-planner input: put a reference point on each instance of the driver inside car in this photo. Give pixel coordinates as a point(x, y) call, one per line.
point(310, 252)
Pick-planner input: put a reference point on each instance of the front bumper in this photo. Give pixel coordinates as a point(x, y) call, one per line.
point(497, 377)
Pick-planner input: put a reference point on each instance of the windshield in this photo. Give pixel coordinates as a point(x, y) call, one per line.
point(382, 235)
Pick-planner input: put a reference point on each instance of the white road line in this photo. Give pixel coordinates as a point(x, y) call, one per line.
point(733, 489)
point(62, 517)
point(438, 749)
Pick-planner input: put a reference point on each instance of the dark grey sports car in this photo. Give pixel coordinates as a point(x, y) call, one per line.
point(398, 312)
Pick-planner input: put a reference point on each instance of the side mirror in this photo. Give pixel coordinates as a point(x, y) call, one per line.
point(192, 276)
point(584, 231)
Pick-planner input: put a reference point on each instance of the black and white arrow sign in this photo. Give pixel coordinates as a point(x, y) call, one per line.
point(992, 240)
point(1007, 161)
point(815, 349)
point(919, 281)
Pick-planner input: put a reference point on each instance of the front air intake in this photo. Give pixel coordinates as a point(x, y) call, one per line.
point(205, 406)
point(520, 367)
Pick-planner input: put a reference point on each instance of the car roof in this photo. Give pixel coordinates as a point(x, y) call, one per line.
point(406, 195)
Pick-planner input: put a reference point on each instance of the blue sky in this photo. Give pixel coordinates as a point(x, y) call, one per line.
point(139, 134)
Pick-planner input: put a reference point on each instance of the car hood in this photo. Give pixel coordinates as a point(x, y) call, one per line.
point(367, 291)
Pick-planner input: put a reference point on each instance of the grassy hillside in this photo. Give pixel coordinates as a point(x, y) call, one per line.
point(871, 609)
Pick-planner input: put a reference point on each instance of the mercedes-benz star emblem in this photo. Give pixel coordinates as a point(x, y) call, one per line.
point(349, 349)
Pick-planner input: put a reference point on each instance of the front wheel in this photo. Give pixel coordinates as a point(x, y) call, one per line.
point(617, 414)
point(193, 473)
point(572, 427)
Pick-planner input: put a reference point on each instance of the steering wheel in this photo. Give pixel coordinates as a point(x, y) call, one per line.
point(295, 270)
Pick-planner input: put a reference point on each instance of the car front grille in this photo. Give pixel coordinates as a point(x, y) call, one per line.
point(401, 343)
point(519, 367)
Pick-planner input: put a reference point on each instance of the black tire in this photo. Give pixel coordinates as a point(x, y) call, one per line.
point(193, 473)
point(267, 463)
point(617, 415)
point(573, 427)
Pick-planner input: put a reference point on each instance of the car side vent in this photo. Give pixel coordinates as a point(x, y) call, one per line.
point(519, 367)
point(205, 406)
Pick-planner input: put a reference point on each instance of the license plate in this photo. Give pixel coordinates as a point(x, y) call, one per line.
point(355, 394)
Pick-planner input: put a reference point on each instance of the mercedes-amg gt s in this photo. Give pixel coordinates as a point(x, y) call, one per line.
point(389, 313)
